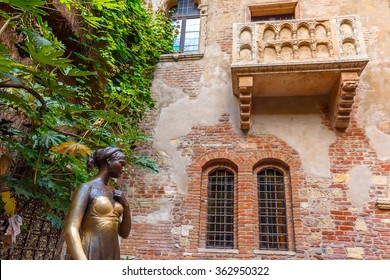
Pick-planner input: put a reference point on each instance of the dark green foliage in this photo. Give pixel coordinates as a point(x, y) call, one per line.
point(87, 97)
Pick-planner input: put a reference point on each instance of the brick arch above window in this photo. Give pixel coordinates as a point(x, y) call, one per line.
point(289, 158)
point(278, 164)
point(218, 157)
point(219, 163)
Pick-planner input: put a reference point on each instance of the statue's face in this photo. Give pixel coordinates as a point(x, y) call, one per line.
point(116, 165)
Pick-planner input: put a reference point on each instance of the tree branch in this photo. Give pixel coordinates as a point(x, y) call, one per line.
point(7, 23)
point(29, 90)
point(65, 133)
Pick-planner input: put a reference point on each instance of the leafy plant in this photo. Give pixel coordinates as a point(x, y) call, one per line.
point(64, 94)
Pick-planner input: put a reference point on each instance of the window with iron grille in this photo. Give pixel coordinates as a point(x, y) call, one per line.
point(186, 20)
point(273, 232)
point(220, 210)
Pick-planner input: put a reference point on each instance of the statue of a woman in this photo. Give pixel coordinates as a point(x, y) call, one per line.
point(97, 213)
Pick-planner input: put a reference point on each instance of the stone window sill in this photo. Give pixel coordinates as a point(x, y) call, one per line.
point(279, 253)
point(218, 251)
point(180, 57)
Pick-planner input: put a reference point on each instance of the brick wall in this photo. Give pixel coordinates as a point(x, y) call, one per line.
point(325, 224)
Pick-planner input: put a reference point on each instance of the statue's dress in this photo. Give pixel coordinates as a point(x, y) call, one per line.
point(99, 228)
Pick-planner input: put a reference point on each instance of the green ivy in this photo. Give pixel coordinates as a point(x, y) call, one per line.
point(95, 96)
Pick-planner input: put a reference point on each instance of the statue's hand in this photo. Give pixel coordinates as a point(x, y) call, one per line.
point(121, 198)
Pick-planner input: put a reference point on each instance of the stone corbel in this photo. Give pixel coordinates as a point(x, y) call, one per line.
point(342, 99)
point(245, 87)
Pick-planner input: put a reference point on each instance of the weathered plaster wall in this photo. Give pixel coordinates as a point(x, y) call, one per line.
point(298, 120)
point(180, 112)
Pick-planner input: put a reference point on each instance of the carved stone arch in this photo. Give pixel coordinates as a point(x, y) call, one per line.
point(349, 46)
point(287, 25)
point(270, 53)
point(246, 34)
point(286, 31)
point(287, 51)
point(304, 50)
point(323, 49)
point(320, 31)
point(347, 27)
point(303, 24)
point(269, 33)
point(303, 31)
point(246, 52)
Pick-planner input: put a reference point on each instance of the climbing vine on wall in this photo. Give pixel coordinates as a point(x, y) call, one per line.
point(74, 76)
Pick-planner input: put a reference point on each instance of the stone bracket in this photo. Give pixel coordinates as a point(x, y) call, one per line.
point(245, 89)
point(342, 99)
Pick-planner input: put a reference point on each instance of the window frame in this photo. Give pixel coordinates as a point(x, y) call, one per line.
point(183, 33)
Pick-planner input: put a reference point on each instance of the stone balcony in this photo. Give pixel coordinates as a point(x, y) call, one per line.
point(299, 58)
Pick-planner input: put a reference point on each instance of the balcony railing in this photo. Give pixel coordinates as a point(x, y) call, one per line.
point(273, 58)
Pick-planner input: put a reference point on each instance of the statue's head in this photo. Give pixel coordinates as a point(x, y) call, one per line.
point(110, 157)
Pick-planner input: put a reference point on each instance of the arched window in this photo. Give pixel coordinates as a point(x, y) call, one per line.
point(273, 231)
point(220, 210)
point(186, 18)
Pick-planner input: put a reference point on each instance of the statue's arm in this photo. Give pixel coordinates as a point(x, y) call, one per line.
point(125, 225)
point(75, 216)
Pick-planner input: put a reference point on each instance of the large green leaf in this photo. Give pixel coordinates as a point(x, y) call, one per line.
point(95, 83)
point(9, 66)
point(32, 6)
point(46, 55)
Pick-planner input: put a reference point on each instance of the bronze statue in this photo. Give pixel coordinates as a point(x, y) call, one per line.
point(98, 213)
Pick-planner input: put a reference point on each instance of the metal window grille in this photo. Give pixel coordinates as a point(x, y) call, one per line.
point(220, 210)
point(273, 17)
point(272, 210)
